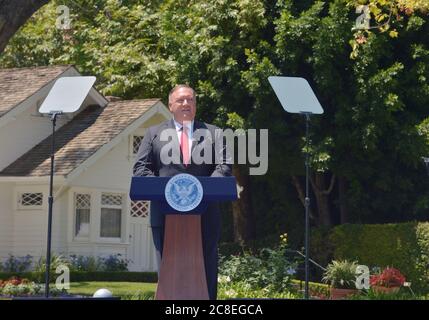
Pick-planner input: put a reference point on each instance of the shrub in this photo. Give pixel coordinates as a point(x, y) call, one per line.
point(84, 263)
point(17, 287)
point(16, 264)
point(243, 289)
point(404, 246)
point(374, 295)
point(114, 262)
point(316, 290)
point(111, 263)
point(56, 261)
point(269, 269)
point(390, 277)
point(341, 274)
point(12, 281)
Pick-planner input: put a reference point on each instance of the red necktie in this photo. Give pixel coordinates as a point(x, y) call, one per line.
point(184, 145)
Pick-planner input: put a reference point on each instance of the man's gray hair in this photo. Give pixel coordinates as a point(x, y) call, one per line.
point(177, 87)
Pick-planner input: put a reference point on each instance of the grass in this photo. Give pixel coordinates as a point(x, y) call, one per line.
point(125, 290)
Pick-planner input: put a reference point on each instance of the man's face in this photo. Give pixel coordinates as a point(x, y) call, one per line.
point(183, 105)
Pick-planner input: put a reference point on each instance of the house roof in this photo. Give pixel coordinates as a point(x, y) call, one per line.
point(17, 84)
point(79, 139)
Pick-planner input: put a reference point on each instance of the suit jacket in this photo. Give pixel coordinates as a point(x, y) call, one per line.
point(148, 161)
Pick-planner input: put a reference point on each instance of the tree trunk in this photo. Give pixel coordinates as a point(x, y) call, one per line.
point(301, 195)
point(342, 191)
point(13, 15)
point(322, 200)
point(242, 210)
point(322, 197)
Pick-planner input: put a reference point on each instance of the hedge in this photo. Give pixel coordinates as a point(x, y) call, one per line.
point(79, 276)
point(315, 289)
point(404, 246)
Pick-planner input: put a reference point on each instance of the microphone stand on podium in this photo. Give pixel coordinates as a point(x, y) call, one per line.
point(296, 96)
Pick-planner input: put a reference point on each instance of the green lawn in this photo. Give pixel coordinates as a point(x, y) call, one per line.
point(125, 290)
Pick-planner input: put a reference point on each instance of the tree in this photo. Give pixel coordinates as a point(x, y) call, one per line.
point(13, 15)
point(365, 150)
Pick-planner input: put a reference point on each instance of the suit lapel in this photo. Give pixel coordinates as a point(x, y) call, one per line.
point(176, 141)
point(171, 125)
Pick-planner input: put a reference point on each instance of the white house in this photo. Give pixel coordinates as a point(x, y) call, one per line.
point(95, 152)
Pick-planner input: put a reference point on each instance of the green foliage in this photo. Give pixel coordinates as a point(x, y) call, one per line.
point(16, 264)
point(243, 289)
point(321, 249)
point(56, 261)
point(316, 290)
point(113, 262)
point(110, 263)
point(341, 274)
point(269, 271)
point(403, 294)
point(373, 85)
point(84, 263)
point(404, 246)
point(31, 276)
point(423, 131)
point(29, 289)
point(18, 287)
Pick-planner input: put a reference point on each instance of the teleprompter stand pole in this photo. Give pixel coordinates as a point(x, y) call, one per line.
point(54, 115)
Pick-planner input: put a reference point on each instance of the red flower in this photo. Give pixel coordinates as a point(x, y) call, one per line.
point(15, 281)
point(390, 277)
point(361, 39)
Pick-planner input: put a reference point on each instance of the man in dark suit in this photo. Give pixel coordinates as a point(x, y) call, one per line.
point(185, 143)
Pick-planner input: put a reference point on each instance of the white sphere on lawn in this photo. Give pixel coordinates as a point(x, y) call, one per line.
point(102, 293)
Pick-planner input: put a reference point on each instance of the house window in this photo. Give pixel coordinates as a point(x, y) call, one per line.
point(137, 140)
point(83, 208)
point(111, 213)
point(139, 209)
point(29, 200)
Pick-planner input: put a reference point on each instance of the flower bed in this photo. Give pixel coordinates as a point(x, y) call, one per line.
point(17, 287)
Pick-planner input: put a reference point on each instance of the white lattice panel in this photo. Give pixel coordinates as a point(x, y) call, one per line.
point(137, 140)
point(83, 201)
point(111, 199)
point(139, 209)
point(31, 199)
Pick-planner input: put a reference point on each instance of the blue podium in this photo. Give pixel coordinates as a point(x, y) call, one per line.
point(182, 273)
